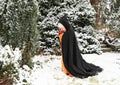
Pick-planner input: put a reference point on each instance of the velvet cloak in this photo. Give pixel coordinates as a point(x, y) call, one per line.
point(73, 60)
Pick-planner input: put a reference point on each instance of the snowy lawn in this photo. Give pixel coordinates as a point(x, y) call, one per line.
point(47, 71)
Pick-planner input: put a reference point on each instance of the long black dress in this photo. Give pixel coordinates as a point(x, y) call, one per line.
point(72, 58)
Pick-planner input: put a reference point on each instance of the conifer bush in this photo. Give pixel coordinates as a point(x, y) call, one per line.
point(19, 27)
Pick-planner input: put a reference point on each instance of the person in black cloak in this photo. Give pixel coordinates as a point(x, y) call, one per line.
point(73, 63)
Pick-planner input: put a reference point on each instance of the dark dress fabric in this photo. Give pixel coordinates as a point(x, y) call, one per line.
point(73, 60)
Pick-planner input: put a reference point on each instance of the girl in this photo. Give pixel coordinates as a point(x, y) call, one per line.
point(72, 62)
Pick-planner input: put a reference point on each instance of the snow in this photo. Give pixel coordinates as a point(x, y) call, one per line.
point(47, 71)
point(87, 41)
point(7, 55)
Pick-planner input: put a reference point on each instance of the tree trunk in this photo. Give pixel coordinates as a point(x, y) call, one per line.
point(6, 81)
point(26, 53)
point(95, 3)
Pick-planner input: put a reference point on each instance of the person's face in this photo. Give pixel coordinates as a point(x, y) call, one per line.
point(61, 27)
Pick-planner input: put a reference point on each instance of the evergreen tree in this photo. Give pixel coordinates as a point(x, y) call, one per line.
point(20, 20)
point(3, 27)
point(116, 4)
point(80, 14)
point(115, 17)
point(87, 40)
point(48, 26)
point(114, 22)
point(111, 14)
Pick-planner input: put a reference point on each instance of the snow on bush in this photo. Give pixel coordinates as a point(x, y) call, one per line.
point(80, 14)
point(9, 62)
point(113, 22)
point(1, 6)
point(87, 40)
point(10, 66)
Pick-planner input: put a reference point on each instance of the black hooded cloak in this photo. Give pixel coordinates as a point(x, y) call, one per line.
point(72, 58)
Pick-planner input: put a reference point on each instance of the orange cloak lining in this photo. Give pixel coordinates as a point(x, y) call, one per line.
point(63, 66)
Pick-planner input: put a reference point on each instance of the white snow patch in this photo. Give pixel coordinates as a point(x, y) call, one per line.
point(47, 71)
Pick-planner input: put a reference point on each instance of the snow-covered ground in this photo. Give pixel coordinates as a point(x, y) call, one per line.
point(47, 71)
